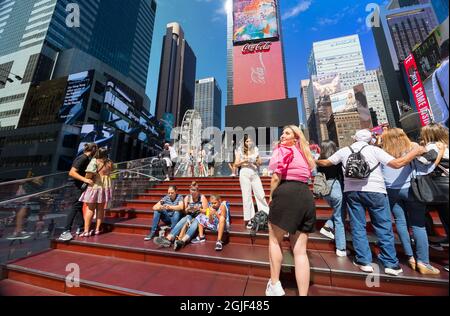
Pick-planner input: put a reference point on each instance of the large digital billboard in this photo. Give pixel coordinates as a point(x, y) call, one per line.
point(363, 106)
point(100, 134)
point(343, 101)
point(258, 73)
point(325, 86)
point(73, 110)
point(255, 20)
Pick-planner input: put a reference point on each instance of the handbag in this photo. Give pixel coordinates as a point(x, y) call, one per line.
point(84, 186)
point(431, 189)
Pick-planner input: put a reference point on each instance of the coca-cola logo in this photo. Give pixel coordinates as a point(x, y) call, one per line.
point(256, 48)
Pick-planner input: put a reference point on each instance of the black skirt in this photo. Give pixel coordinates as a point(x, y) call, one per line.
point(293, 208)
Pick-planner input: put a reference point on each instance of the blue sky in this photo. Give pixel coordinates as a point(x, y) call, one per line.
point(303, 22)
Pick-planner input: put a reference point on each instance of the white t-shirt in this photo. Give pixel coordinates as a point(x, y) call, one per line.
point(373, 155)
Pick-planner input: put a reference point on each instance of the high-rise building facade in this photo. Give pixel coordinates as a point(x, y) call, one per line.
point(338, 55)
point(176, 86)
point(304, 93)
point(342, 126)
point(208, 102)
point(34, 33)
point(401, 26)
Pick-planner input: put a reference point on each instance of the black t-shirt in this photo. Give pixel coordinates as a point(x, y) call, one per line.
point(81, 163)
point(333, 172)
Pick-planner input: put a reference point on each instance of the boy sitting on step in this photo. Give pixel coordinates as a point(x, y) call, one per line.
point(216, 218)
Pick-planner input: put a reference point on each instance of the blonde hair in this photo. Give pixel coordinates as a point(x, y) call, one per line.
point(303, 145)
point(396, 142)
point(434, 133)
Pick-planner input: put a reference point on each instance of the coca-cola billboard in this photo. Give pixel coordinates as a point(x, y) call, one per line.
point(256, 48)
point(258, 73)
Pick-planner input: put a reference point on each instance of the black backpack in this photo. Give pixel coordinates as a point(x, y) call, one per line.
point(260, 222)
point(357, 167)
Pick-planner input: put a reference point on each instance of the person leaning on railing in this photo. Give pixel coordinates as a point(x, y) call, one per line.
point(78, 174)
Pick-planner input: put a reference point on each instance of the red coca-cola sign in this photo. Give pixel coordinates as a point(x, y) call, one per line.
point(256, 48)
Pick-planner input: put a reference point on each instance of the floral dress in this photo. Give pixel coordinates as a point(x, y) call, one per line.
point(212, 222)
point(101, 191)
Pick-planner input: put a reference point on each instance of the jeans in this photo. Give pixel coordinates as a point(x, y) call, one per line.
point(378, 206)
point(168, 217)
point(336, 222)
point(192, 228)
point(407, 210)
point(76, 212)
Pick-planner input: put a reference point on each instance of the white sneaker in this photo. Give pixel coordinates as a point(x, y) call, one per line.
point(341, 253)
point(274, 290)
point(364, 267)
point(395, 271)
point(327, 232)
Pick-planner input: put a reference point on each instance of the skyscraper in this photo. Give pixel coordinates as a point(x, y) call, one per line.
point(34, 33)
point(176, 86)
point(208, 102)
point(304, 93)
point(338, 55)
point(401, 26)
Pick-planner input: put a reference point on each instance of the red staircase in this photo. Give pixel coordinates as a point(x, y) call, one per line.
point(120, 262)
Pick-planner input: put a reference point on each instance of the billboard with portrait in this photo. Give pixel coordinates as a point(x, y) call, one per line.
point(255, 20)
point(258, 73)
point(73, 110)
point(343, 101)
point(363, 106)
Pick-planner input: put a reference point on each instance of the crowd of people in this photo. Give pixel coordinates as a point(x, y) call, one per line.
point(373, 174)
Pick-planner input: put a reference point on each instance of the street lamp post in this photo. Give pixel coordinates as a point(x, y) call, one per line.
point(7, 78)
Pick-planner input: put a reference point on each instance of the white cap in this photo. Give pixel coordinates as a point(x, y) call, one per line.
point(363, 136)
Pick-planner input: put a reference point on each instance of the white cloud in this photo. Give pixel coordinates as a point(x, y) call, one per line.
point(302, 6)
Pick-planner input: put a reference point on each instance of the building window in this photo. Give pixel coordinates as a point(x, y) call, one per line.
point(96, 106)
point(99, 88)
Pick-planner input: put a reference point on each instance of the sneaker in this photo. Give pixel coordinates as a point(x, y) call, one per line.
point(446, 267)
point(149, 236)
point(327, 232)
point(363, 267)
point(341, 253)
point(167, 179)
point(427, 269)
point(395, 271)
point(66, 236)
point(162, 242)
point(249, 224)
point(178, 244)
point(219, 246)
point(199, 240)
point(274, 290)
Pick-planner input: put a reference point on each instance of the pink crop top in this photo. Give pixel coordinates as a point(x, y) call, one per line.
point(290, 164)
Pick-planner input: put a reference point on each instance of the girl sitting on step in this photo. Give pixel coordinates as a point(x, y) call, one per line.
point(215, 218)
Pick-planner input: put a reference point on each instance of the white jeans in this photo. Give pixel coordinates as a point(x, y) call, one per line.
point(250, 181)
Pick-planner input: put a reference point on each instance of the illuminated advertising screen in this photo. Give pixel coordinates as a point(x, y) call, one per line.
point(73, 110)
point(343, 101)
point(325, 86)
point(428, 56)
point(255, 20)
point(258, 73)
point(363, 106)
point(417, 89)
point(101, 134)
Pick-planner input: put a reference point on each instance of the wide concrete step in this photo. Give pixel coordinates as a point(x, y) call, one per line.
point(252, 260)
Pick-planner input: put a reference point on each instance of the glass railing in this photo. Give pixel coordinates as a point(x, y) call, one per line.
point(34, 211)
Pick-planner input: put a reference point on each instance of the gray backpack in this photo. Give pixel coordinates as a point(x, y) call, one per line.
point(321, 187)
